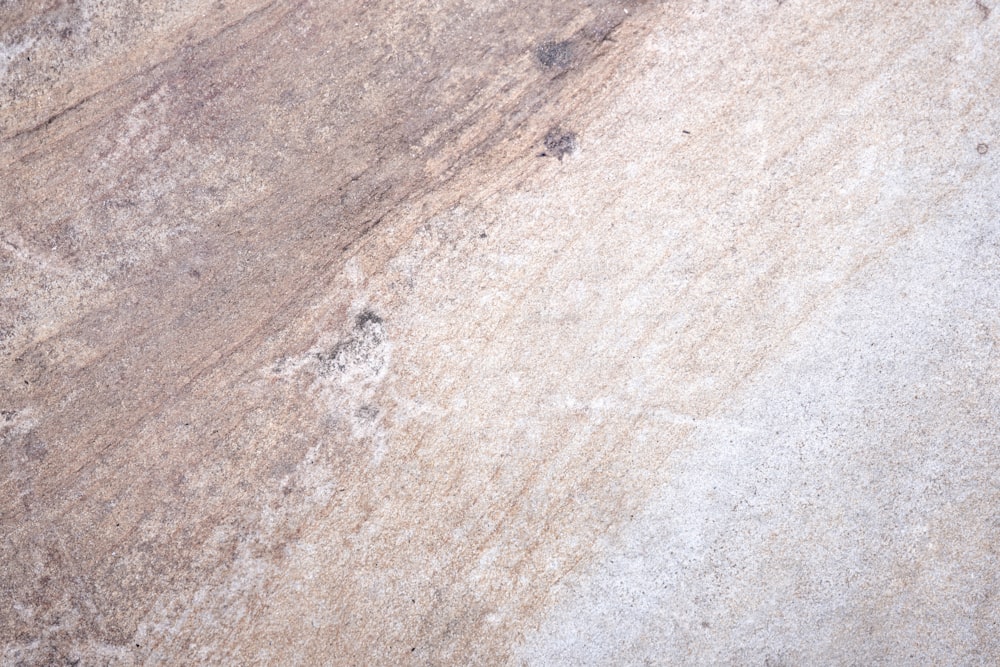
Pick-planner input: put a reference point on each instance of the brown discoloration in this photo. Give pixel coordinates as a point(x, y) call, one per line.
point(177, 196)
point(307, 358)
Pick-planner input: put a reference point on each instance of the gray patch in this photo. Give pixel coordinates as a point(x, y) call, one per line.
point(555, 55)
point(367, 413)
point(364, 352)
point(559, 142)
point(34, 447)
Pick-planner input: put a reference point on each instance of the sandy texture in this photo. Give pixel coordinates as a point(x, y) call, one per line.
point(550, 333)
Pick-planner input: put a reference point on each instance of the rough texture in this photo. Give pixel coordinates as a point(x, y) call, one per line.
point(311, 354)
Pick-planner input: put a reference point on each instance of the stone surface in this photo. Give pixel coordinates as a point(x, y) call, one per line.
point(499, 333)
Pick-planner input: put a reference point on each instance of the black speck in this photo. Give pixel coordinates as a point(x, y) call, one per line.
point(555, 55)
point(559, 142)
point(685, 132)
point(483, 235)
point(365, 318)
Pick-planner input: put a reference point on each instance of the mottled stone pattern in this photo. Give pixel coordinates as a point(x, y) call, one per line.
point(311, 353)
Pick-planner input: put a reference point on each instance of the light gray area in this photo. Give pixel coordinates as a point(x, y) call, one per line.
point(850, 513)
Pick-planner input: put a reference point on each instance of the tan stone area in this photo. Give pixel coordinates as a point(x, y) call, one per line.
point(549, 333)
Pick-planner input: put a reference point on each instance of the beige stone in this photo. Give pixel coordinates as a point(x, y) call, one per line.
point(499, 333)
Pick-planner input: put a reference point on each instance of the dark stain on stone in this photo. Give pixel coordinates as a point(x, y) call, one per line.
point(983, 149)
point(366, 318)
point(559, 142)
point(555, 55)
point(363, 351)
point(367, 413)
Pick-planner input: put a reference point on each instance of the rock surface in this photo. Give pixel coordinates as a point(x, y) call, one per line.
point(549, 333)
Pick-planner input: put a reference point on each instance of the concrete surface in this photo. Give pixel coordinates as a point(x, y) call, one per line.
point(536, 333)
